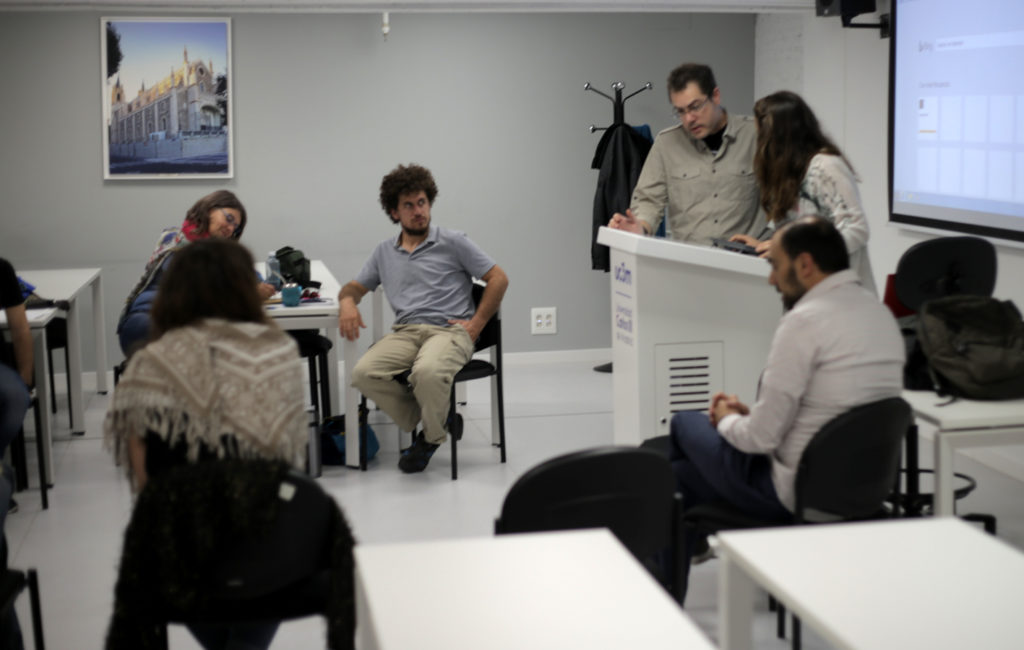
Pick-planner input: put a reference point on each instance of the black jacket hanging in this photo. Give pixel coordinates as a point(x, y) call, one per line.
point(620, 156)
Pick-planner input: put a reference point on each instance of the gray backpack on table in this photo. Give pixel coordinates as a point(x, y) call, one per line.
point(974, 346)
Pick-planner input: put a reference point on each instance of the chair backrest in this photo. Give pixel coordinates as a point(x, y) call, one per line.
point(491, 333)
point(296, 546)
point(850, 466)
point(629, 490)
point(233, 540)
point(945, 266)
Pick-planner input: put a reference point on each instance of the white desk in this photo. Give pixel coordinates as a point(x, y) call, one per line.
point(964, 423)
point(64, 284)
point(69, 284)
point(687, 322)
point(573, 589)
point(932, 583)
point(317, 316)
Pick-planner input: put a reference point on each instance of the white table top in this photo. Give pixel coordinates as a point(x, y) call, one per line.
point(923, 583)
point(572, 589)
point(59, 284)
point(964, 413)
point(37, 318)
point(682, 252)
point(53, 284)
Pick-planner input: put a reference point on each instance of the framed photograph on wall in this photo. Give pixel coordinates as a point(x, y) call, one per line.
point(166, 98)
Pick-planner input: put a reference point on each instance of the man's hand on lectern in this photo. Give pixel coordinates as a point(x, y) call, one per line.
point(627, 222)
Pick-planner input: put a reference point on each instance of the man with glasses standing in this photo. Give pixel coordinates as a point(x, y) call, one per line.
point(701, 169)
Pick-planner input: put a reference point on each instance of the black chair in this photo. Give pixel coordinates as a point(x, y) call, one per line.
point(119, 370)
point(300, 566)
point(313, 347)
point(57, 338)
point(628, 490)
point(936, 268)
point(12, 583)
point(846, 473)
point(489, 339)
point(20, 461)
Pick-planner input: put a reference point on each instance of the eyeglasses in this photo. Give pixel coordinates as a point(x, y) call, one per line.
point(230, 218)
point(696, 105)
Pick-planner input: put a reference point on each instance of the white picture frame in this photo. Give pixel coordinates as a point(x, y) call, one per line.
point(167, 106)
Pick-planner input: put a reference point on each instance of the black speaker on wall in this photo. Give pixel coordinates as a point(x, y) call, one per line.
point(845, 8)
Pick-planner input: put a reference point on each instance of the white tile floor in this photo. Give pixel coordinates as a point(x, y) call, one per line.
point(552, 406)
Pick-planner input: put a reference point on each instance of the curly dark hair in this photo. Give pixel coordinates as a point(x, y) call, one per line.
point(679, 78)
point(788, 136)
point(199, 213)
point(209, 278)
point(405, 179)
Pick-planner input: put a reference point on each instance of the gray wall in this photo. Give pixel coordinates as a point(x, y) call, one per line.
point(323, 107)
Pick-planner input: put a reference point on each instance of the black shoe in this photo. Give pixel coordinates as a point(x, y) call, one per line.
point(415, 458)
point(454, 425)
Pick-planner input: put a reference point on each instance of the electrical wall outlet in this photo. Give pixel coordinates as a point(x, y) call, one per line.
point(543, 320)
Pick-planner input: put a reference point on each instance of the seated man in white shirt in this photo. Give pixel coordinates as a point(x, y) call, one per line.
point(836, 347)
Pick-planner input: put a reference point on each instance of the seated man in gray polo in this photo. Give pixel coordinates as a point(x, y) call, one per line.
point(427, 274)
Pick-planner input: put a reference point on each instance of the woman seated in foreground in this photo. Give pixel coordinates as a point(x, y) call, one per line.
point(801, 172)
point(218, 215)
point(218, 380)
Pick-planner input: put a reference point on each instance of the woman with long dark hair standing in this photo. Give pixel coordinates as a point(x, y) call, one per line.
point(800, 171)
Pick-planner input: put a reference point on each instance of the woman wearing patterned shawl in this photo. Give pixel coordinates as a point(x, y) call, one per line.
point(800, 172)
point(219, 215)
point(218, 380)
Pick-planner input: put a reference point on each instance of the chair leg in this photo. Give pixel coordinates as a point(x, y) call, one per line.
point(313, 394)
point(67, 379)
point(41, 457)
point(452, 437)
point(325, 384)
point(53, 386)
point(780, 620)
point(501, 414)
point(37, 609)
point(20, 461)
point(364, 434)
point(796, 633)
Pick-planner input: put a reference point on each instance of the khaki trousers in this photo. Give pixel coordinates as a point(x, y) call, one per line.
point(435, 354)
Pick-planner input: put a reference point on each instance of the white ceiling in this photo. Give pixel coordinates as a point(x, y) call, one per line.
point(363, 6)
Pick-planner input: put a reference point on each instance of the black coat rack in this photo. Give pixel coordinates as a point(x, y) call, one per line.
point(618, 102)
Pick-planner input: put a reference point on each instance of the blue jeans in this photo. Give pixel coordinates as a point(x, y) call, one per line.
point(709, 469)
point(14, 401)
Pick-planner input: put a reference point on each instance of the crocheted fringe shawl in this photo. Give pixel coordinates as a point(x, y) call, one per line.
point(202, 382)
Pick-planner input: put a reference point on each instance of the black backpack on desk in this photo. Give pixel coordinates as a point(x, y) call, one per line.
point(295, 267)
point(973, 346)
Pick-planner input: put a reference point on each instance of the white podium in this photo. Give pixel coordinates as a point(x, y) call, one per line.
point(687, 321)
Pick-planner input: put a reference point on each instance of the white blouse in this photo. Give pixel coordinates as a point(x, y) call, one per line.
point(829, 190)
